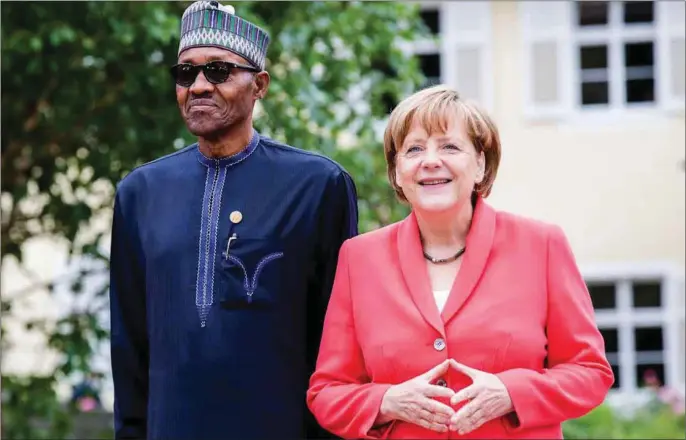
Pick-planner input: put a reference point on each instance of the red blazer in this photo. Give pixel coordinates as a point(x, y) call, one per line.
point(519, 308)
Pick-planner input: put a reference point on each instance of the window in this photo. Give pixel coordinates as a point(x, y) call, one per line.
point(640, 319)
point(431, 18)
point(457, 53)
point(611, 56)
point(429, 52)
point(430, 65)
point(615, 45)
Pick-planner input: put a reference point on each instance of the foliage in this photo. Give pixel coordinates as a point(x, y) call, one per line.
point(655, 420)
point(25, 397)
point(87, 97)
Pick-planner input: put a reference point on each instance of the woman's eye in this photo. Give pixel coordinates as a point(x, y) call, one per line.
point(413, 149)
point(452, 147)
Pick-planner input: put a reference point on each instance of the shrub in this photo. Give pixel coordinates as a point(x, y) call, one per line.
point(661, 416)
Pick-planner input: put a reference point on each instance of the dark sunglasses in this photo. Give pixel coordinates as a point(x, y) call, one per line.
point(215, 72)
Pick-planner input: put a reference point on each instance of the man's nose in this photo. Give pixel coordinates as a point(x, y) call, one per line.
point(201, 85)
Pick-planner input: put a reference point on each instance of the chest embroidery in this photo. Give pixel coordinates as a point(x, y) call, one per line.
point(250, 285)
point(208, 245)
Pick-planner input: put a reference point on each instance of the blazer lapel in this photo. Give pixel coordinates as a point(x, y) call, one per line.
point(414, 271)
point(479, 244)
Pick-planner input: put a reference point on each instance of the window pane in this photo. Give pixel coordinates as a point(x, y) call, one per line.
point(593, 57)
point(595, 93)
point(592, 13)
point(646, 374)
point(638, 54)
point(602, 295)
point(611, 339)
point(640, 90)
point(615, 370)
point(648, 339)
point(647, 294)
point(430, 64)
point(638, 12)
point(431, 20)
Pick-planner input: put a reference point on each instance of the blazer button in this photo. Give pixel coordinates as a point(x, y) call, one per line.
point(439, 344)
point(441, 382)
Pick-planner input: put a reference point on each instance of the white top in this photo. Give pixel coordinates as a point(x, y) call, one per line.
point(441, 296)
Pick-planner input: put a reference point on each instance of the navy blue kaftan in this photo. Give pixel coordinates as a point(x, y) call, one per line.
point(208, 345)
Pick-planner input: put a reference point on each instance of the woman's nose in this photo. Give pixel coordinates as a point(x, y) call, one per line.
point(431, 159)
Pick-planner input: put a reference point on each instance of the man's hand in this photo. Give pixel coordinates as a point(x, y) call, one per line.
point(412, 401)
point(488, 400)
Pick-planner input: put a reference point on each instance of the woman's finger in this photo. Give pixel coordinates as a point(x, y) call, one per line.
point(468, 421)
point(465, 412)
point(435, 417)
point(477, 419)
point(441, 419)
point(425, 414)
point(437, 391)
point(431, 425)
point(467, 393)
point(436, 407)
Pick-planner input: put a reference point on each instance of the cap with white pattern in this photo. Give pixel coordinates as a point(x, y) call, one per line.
point(209, 23)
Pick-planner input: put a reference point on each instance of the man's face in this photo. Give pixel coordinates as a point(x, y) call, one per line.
point(211, 109)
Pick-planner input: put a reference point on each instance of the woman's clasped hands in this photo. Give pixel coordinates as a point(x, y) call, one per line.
point(414, 401)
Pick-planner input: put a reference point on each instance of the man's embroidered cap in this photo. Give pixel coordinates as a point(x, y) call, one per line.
point(209, 23)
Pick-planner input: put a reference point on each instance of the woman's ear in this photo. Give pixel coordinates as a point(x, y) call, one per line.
point(481, 171)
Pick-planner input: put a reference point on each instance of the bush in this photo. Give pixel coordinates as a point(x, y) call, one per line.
point(661, 417)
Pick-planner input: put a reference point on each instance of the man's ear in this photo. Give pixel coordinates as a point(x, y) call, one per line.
point(262, 80)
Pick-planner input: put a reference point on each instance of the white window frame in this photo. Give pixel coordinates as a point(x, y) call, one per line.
point(562, 31)
point(612, 35)
point(432, 46)
point(626, 318)
point(451, 37)
point(546, 23)
point(457, 36)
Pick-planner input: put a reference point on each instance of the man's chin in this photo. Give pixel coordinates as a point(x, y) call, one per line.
point(205, 131)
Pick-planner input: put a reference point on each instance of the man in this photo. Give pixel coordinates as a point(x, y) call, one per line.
point(223, 257)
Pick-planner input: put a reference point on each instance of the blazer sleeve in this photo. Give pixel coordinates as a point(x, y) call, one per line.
point(577, 376)
point(129, 341)
point(341, 395)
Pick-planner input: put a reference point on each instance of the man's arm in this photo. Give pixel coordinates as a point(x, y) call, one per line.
point(339, 217)
point(129, 340)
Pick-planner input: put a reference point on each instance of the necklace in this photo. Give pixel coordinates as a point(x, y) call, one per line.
point(445, 260)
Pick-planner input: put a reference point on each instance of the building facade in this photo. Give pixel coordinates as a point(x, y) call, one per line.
point(589, 98)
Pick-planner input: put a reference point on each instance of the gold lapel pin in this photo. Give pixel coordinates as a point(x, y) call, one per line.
point(236, 217)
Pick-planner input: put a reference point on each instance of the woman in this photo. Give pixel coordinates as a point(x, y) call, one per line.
point(458, 321)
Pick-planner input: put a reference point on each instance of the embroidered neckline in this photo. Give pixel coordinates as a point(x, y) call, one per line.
point(229, 160)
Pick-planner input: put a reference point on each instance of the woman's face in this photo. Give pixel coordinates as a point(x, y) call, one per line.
point(438, 171)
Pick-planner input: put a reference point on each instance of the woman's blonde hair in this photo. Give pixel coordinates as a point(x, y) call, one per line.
point(434, 107)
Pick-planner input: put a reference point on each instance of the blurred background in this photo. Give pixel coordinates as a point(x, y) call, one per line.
point(588, 96)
